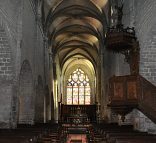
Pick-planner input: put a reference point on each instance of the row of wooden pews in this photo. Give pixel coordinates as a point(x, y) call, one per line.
point(113, 133)
point(55, 135)
point(26, 133)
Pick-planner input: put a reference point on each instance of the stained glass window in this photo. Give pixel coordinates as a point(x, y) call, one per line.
point(78, 88)
point(69, 93)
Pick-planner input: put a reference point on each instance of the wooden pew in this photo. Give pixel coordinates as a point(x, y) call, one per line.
point(135, 140)
point(112, 133)
point(24, 134)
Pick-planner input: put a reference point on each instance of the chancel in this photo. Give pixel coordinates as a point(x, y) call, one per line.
point(77, 71)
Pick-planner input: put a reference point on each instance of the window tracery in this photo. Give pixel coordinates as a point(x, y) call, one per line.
point(78, 88)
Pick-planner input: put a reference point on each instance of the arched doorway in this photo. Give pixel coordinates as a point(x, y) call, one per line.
point(26, 99)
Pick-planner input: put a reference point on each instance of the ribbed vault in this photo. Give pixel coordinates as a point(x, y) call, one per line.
point(73, 24)
point(75, 30)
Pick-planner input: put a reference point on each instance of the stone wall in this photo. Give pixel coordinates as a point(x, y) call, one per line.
point(21, 39)
point(8, 34)
point(6, 65)
point(140, 122)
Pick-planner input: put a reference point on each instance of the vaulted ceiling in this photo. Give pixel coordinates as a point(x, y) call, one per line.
point(76, 28)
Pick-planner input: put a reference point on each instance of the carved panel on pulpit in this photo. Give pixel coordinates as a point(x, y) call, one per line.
point(123, 95)
point(118, 90)
point(131, 90)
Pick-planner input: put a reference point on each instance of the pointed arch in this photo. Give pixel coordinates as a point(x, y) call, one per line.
point(26, 99)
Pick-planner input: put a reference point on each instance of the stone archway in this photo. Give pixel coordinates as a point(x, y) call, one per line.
point(39, 101)
point(26, 99)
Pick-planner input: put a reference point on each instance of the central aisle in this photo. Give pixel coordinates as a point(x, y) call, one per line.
point(77, 138)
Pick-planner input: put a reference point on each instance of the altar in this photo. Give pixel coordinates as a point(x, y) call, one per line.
point(78, 119)
point(84, 113)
